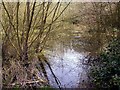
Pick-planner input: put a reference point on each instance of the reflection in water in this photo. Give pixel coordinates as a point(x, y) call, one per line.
point(68, 68)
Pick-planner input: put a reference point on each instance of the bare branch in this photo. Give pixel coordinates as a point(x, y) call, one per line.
point(8, 15)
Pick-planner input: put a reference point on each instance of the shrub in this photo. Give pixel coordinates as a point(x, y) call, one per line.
point(105, 72)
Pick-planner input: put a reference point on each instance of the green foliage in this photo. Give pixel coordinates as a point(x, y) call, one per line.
point(106, 70)
point(47, 88)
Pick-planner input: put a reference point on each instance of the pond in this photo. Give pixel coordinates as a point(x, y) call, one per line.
point(68, 68)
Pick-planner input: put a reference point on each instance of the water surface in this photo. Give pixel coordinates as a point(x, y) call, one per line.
point(67, 67)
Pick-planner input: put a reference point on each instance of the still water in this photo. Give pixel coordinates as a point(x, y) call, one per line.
point(68, 68)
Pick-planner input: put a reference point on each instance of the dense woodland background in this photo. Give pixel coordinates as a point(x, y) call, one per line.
point(30, 30)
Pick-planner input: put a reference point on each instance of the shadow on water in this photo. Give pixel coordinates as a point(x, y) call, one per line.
point(68, 68)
